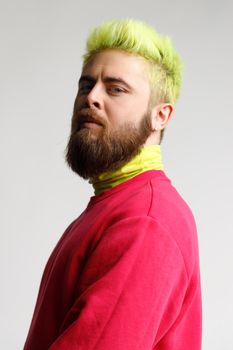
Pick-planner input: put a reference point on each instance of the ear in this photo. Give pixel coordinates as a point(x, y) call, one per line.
point(161, 115)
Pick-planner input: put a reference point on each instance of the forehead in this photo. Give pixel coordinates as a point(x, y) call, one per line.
point(119, 64)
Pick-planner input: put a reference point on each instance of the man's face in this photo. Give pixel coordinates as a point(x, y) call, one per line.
point(111, 117)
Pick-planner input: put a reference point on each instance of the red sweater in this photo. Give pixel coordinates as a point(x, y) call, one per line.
point(124, 275)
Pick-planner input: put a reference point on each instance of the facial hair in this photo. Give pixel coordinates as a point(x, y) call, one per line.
point(90, 155)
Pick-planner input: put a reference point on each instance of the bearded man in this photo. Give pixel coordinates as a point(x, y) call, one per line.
point(125, 273)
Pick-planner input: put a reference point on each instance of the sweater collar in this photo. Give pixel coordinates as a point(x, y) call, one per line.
point(149, 158)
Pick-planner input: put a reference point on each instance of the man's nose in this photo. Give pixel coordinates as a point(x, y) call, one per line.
point(95, 97)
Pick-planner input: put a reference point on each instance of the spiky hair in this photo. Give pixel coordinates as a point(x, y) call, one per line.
point(139, 38)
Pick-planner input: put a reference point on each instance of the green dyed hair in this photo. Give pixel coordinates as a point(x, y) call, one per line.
point(139, 38)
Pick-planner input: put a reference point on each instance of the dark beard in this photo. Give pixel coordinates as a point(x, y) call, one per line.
point(110, 150)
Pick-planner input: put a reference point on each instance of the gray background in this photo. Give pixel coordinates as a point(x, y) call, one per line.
point(41, 46)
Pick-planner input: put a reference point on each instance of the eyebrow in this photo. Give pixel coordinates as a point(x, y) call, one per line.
point(86, 78)
point(109, 79)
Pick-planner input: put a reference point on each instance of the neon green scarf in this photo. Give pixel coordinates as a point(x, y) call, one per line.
point(148, 159)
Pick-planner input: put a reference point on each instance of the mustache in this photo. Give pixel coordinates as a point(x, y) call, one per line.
point(90, 115)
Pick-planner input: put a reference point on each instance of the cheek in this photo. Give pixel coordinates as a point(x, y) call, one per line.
point(119, 116)
point(77, 106)
point(126, 111)
point(78, 103)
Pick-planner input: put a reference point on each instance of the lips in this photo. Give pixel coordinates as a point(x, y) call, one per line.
point(86, 119)
point(91, 125)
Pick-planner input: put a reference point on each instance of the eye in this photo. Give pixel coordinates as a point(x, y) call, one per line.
point(85, 88)
point(116, 89)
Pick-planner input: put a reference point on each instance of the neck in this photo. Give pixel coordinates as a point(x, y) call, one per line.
point(149, 158)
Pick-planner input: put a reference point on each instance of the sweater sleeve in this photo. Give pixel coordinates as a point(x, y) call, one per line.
point(131, 290)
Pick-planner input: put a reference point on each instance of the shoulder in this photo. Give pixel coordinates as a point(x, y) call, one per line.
point(150, 205)
point(173, 213)
point(158, 206)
